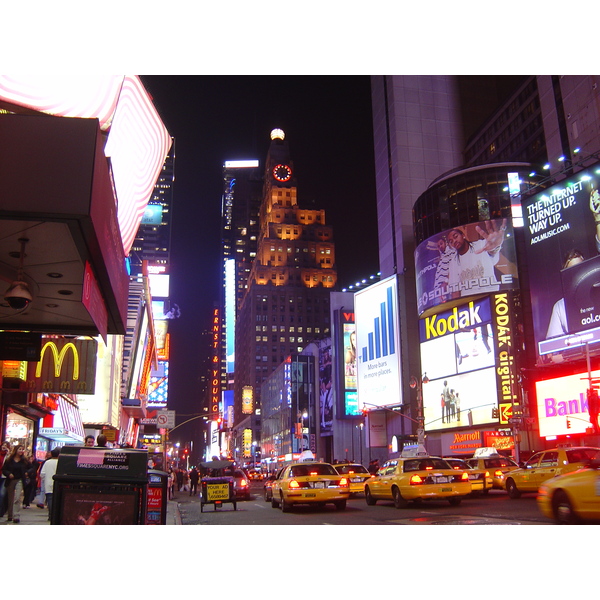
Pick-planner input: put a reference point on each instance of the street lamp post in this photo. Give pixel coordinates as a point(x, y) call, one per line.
point(416, 384)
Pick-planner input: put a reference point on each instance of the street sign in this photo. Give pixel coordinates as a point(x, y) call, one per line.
point(165, 419)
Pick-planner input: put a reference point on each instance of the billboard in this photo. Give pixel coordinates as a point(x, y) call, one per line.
point(562, 405)
point(467, 355)
point(476, 258)
point(378, 375)
point(562, 248)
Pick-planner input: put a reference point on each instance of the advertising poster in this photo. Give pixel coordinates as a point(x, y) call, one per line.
point(459, 353)
point(562, 250)
point(476, 258)
point(85, 508)
point(325, 390)
point(378, 344)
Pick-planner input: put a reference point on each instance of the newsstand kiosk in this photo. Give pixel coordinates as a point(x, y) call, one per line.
point(100, 486)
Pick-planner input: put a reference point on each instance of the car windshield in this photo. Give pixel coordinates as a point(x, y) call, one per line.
point(495, 463)
point(458, 464)
point(582, 455)
point(307, 470)
point(346, 469)
point(422, 464)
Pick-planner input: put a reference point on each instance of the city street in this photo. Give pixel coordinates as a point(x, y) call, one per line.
point(494, 509)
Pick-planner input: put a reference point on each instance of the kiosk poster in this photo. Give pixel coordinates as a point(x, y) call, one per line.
point(562, 226)
point(476, 258)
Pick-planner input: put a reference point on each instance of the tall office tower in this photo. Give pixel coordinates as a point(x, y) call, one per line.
point(153, 240)
point(242, 191)
point(428, 127)
point(286, 304)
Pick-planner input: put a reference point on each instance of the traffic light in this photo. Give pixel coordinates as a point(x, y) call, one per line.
point(568, 423)
point(495, 413)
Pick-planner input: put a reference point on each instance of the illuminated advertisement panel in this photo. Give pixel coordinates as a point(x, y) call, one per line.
point(347, 367)
point(562, 405)
point(247, 400)
point(459, 352)
point(561, 239)
point(378, 374)
point(137, 144)
point(464, 261)
point(230, 314)
point(326, 394)
point(158, 388)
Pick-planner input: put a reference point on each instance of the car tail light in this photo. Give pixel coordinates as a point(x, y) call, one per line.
point(343, 482)
point(243, 482)
point(498, 474)
point(456, 468)
point(487, 473)
point(465, 477)
point(416, 480)
point(294, 484)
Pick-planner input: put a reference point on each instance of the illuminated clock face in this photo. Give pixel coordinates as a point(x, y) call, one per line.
point(282, 173)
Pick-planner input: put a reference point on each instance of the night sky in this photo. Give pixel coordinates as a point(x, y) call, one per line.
point(328, 124)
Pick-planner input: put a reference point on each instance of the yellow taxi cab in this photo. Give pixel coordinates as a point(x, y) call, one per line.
point(546, 465)
point(309, 483)
point(481, 480)
point(498, 465)
point(574, 497)
point(357, 475)
point(416, 476)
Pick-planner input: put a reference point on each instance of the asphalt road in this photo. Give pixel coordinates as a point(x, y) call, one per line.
point(494, 509)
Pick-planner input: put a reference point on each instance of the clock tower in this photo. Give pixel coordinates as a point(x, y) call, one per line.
point(286, 301)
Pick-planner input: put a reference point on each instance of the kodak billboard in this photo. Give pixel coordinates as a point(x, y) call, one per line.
point(66, 366)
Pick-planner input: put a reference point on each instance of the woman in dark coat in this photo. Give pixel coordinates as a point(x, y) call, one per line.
point(14, 469)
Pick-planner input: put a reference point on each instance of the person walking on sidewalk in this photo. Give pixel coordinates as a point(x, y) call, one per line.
point(194, 478)
point(46, 475)
point(4, 454)
point(14, 469)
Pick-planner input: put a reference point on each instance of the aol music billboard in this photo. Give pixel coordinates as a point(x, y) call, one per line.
point(66, 366)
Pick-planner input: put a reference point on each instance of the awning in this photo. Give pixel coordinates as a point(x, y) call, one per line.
point(67, 427)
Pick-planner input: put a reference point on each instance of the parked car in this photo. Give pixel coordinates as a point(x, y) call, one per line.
point(572, 498)
point(546, 465)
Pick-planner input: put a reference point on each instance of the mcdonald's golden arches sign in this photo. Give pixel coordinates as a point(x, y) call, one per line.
point(66, 366)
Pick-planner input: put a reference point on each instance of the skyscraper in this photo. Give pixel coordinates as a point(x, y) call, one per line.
point(286, 302)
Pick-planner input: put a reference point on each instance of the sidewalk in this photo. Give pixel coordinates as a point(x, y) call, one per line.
point(39, 516)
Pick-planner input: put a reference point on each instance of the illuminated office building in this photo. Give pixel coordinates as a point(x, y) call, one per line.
point(446, 150)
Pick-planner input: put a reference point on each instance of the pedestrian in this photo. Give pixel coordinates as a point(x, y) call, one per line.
point(4, 453)
point(179, 475)
point(101, 441)
point(31, 480)
point(172, 481)
point(194, 478)
point(46, 476)
point(15, 467)
point(89, 441)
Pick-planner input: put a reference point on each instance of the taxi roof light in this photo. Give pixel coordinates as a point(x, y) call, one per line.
point(485, 452)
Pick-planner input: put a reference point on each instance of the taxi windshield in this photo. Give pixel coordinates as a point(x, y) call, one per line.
point(307, 470)
point(346, 469)
point(422, 464)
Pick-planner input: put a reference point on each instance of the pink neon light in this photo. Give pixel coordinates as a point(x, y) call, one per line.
point(137, 144)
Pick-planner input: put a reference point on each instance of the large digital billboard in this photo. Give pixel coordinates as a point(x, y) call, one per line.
point(467, 355)
point(476, 258)
point(562, 250)
point(378, 375)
